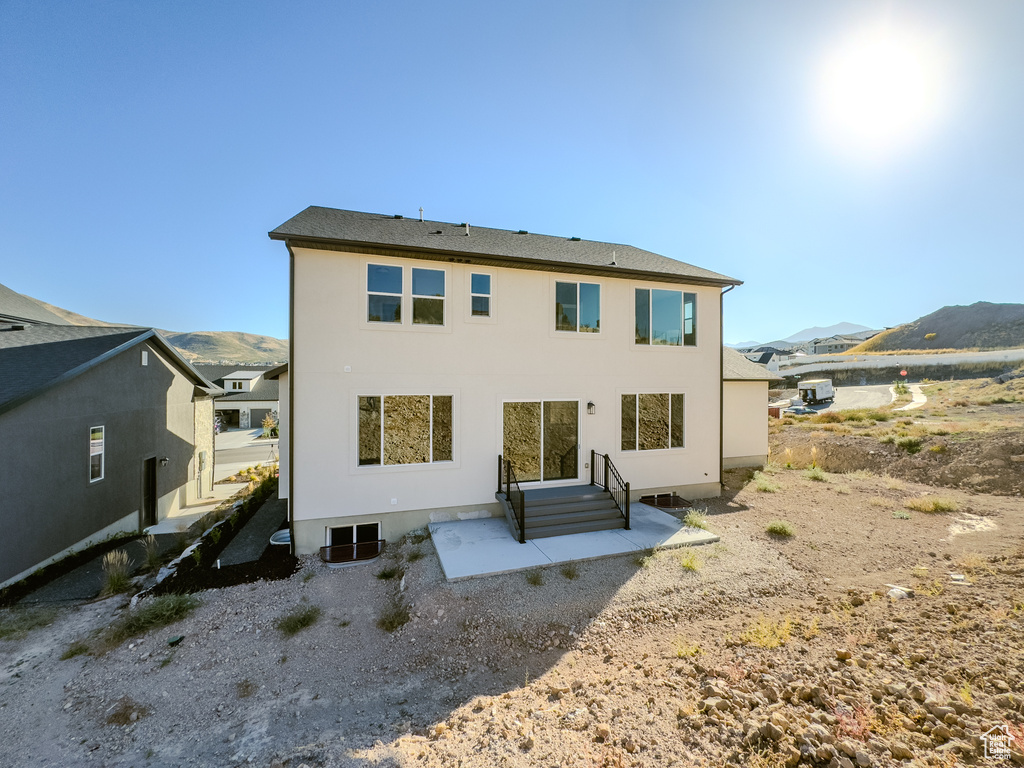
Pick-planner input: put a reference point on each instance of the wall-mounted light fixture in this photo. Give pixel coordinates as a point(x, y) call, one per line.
point(163, 461)
point(591, 408)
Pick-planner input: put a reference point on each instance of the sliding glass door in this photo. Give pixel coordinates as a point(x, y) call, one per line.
point(541, 438)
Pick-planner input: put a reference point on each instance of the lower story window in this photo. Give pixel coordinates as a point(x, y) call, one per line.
point(652, 422)
point(348, 543)
point(405, 429)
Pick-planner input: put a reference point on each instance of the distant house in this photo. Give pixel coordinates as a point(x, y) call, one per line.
point(423, 351)
point(745, 405)
point(105, 430)
point(248, 395)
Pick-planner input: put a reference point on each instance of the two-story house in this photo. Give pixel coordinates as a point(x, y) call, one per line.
point(248, 395)
point(421, 351)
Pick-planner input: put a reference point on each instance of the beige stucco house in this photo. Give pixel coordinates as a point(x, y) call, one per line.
point(421, 351)
point(745, 419)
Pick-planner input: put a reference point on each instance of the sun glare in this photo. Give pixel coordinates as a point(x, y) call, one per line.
point(880, 91)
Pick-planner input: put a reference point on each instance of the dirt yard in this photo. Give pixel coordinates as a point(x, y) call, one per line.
point(763, 650)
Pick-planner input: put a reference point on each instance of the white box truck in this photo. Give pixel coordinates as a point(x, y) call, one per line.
point(815, 391)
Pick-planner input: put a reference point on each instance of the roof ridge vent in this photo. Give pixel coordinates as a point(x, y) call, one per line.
point(399, 216)
point(522, 232)
point(574, 239)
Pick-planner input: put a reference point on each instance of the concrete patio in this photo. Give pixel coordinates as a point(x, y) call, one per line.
point(473, 548)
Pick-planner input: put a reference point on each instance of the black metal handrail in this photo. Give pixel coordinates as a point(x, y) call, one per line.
point(612, 481)
point(509, 485)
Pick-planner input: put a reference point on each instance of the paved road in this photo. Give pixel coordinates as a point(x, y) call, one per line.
point(238, 449)
point(861, 397)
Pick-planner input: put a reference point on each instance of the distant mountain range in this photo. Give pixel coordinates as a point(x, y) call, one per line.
point(817, 332)
point(979, 326)
point(201, 346)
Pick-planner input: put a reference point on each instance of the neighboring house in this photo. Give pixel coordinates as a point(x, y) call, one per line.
point(837, 345)
point(770, 360)
point(745, 430)
point(421, 351)
point(248, 395)
point(105, 430)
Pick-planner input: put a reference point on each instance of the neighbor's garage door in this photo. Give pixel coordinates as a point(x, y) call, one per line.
point(256, 417)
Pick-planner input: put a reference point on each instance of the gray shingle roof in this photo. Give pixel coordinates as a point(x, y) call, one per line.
point(735, 367)
point(14, 306)
point(264, 390)
point(216, 372)
point(41, 356)
point(329, 226)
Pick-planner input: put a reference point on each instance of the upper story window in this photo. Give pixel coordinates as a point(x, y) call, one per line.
point(236, 385)
point(384, 287)
point(480, 295)
point(578, 307)
point(97, 453)
point(427, 296)
point(666, 318)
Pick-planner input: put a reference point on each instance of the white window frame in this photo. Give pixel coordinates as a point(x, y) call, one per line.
point(102, 452)
point(650, 317)
point(443, 298)
point(489, 295)
point(369, 293)
point(578, 283)
point(636, 450)
point(430, 438)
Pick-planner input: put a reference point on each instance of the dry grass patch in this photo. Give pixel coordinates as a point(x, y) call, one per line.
point(394, 616)
point(780, 528)
point(879, 501)
point(932, 504)
point(893, 483)
point(764, 484)
point(115, 573)
point(297, 619)
point(18, 622)
point(151, 614)
point(696, 518)
point(688, 560)
point(765, 633)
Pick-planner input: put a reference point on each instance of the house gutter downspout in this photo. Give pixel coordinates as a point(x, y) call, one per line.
point(721, 386)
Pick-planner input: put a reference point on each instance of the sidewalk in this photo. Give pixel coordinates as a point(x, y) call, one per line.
point(184, 517)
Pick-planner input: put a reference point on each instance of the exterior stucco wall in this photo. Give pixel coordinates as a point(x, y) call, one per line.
point(745, 423)
point(202, 486)
point(49, 503)
point(515, 355)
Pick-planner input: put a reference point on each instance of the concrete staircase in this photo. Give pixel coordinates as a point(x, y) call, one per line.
point(565, 510)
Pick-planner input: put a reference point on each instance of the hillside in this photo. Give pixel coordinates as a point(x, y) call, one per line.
point(979, 326)
point(199, 346)
point(233, 346)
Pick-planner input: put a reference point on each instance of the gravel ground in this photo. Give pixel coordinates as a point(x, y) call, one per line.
point(634, 661)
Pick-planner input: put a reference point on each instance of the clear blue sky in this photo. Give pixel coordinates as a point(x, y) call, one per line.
point(146, 148)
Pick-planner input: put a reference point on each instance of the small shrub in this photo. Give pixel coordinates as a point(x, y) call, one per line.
point(878, 416)
point(900, 515)
point(416, 554)
point(930, 336)
point(940, 448)
point(307, 577)
point(878, 501)
point(684, 650)
point(298, 619)
point(153, 559)
point(789, 458)
point(394, 616)
point(391, 572)
point(151, 614)
point(767, 634)
point(828, 417)
point(570, 571)
point(940, 431)
point(695, 518)
point(643, 559)
point(127, 712)
point(811, 631)
point(418, 537)
point(77, 648)
point(689, 561)
point(764, 484)
point(115, 573)
point(909, 444)
point(932, 504)
point(534, 578)
point(18, 622)
point(842, 490)
point(887, 438)
point(900, 388)
point(780, 528)
point(893, 483)
point(816, 474)
point(245, 688)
